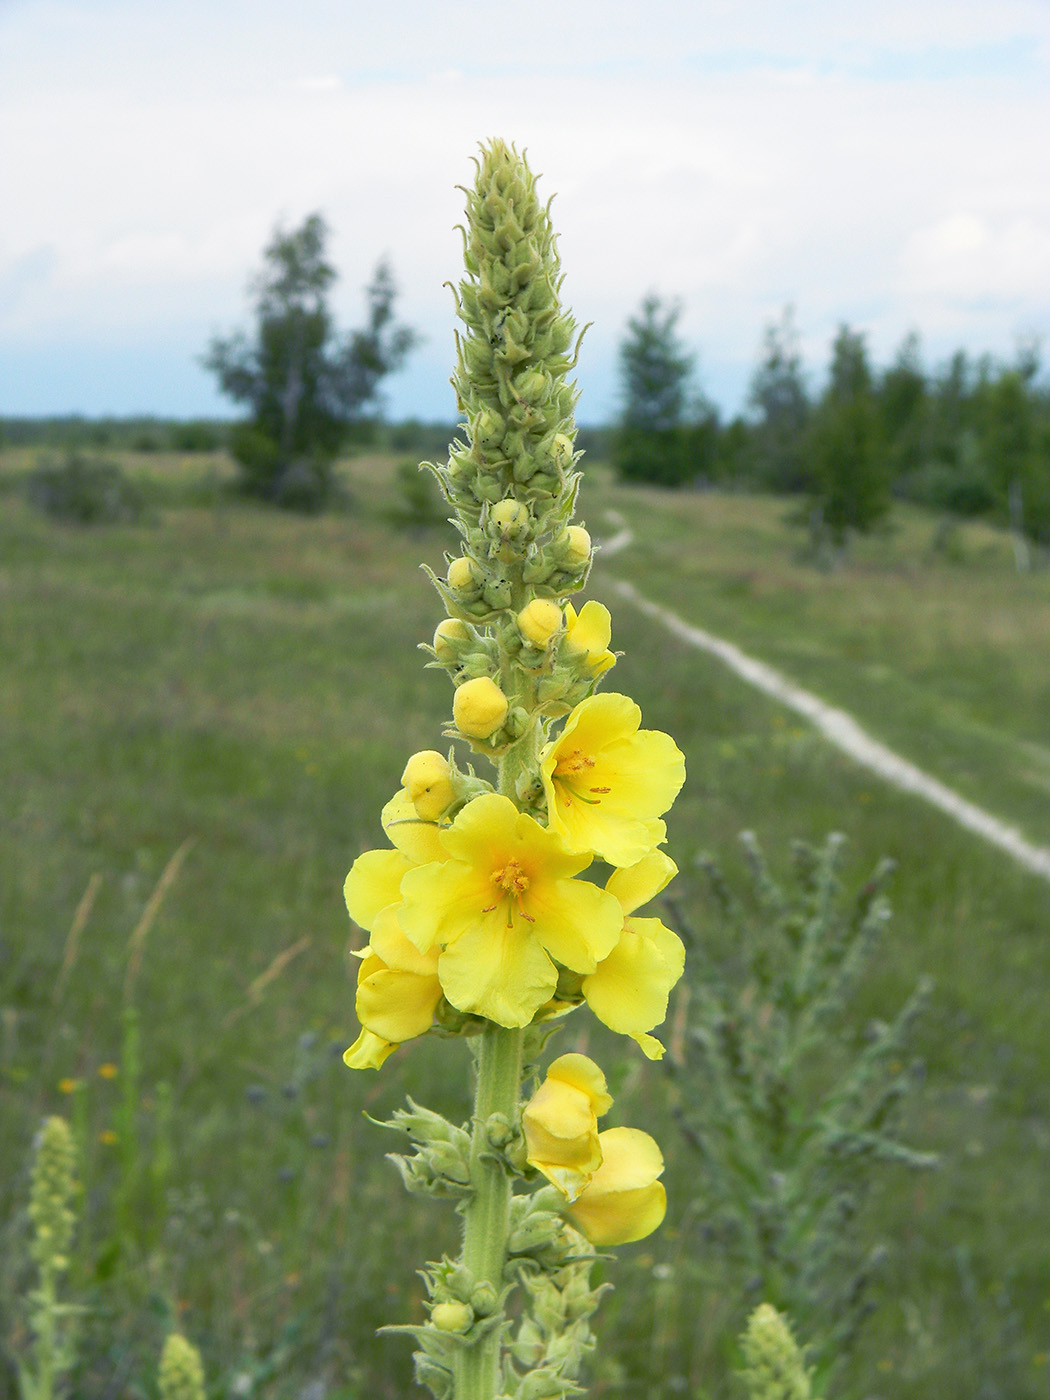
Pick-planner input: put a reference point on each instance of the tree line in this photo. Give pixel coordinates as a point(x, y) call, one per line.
point(970, 438)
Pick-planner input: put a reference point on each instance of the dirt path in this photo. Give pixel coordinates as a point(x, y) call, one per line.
point(838, 727)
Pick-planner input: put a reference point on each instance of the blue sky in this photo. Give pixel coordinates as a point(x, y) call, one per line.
point(886, 166)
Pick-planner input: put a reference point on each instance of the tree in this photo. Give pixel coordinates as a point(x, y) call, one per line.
point(851, 484)
point(303, 384)
point(655, 370)
point(779, 399)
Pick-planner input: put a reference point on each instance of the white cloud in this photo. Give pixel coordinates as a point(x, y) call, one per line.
point(738, 156)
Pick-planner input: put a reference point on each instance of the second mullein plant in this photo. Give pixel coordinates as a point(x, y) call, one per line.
point(479, 923)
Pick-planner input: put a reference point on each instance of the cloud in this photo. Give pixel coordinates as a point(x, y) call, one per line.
point(738, 156)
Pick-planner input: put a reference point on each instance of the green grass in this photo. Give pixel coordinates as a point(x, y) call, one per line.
point(248, 681)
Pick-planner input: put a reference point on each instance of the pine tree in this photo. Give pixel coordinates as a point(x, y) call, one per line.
point(655, 371)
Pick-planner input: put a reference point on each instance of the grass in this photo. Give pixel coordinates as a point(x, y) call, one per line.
point(248, 682)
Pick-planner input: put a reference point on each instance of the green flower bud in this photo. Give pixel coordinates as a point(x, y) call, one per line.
point(498, 593)
point(484, 1299)
point(452, 1317)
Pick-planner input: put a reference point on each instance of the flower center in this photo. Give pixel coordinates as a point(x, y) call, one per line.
point(571, 773)
point(512, 881)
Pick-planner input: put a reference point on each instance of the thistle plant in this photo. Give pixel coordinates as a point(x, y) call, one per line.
point(52, 1190)
point(479, 925)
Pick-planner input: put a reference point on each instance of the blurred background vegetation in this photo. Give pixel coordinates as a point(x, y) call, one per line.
point(203, 709)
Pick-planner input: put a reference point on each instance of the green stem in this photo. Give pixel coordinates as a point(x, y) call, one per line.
point(499, 1067)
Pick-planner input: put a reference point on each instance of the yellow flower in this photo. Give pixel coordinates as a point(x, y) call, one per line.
point(397, 985)
point(561, 1123)
point(630, 988)
point(607, 781)
point(479, 707)
point(587, 636)
point(623, 1201)
point(505, 911)
point(108, 1071)
point(428, 781)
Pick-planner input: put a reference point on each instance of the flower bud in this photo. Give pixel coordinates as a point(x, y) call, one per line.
point(539, 620)
point(452, 1317)
point(484, 1300)
point(489, 429)
point(463, 576)
point(509, 519)
point(479, 707)
point(450, 637)
point(428, 778)
point(574, 548)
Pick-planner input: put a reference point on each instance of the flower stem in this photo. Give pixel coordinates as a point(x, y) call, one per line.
point(499, 1067)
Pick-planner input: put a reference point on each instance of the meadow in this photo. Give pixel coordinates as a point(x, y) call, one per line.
point(200, 716)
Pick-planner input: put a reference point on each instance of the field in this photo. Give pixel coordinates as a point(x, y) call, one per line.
point(221, 699)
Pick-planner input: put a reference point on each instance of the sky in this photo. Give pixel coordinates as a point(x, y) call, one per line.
point(887, 166)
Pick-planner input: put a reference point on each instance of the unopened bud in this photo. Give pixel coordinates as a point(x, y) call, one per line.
point(479, 707)
point(463, 575)
point(452, 1317)
point(509, 519)
point(449, 637)
point(574, 547)
point(539, 620)
point(428, 778)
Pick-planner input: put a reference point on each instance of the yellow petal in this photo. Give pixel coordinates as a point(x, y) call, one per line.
point(576, 922)
point(623, 1201)
point(441, 901)
point(581, 1073)
point(397, 1006)
point(637, 884)
point(498, 972)
point(629, 990)
point(388, 942)
point(368, 1051)
point(373, 883)
point(650, 1047)
point(417, 839)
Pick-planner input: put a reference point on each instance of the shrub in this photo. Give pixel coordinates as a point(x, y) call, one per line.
point(84, 490)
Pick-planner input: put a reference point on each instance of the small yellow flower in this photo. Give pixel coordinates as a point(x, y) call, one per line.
point(587, 636)
point(479, 707)
point(539, 620)
point(108, 1137)
point(108, 1071)
point(630, 987)
point(68, 1086)
point(623, 1201)
point(428, 781)
point(561, 1123)
point(607, 781)
point(505, 911)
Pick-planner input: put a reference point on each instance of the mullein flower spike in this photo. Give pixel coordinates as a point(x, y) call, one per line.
point(478, 919)
point(180, 1375)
